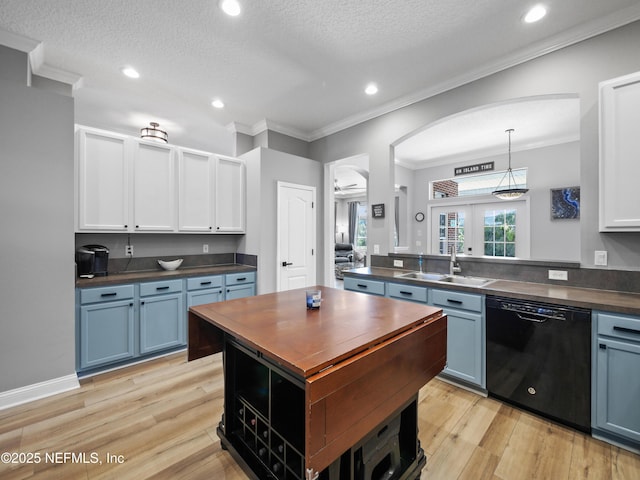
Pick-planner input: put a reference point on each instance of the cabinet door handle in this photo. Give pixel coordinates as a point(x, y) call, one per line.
point(241, 279)
point(457, 302)
point(627, 330)
point(206, 283)
point(406, 293)
point(163, 288)
point(362, 286)
point(110, 294)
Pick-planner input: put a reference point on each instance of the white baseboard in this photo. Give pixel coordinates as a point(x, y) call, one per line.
point(21, 395)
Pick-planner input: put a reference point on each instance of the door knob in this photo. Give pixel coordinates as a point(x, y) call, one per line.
point(284, 264)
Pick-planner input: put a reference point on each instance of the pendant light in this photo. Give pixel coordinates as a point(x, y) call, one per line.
point(509, 192)
point(154, 133)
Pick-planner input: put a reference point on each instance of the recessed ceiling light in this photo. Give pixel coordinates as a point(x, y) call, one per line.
point(217, 103)
point(230, 7)
point(130, 72)
point(371, 89)
point(536, 13)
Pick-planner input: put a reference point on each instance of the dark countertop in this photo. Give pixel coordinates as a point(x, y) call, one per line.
point(608, 300)
point(141, 276)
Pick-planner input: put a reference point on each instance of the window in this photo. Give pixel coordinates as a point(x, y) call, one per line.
point(451, 231)
point(361, 226)
point(500, 233)
point(491, 228)
point(474, 185)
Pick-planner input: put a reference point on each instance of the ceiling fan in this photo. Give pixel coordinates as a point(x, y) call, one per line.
point(344, 188)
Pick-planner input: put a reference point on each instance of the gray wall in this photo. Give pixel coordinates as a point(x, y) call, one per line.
point(265, 168)
point(575, 69)
point(549, 167)
point(37, 336)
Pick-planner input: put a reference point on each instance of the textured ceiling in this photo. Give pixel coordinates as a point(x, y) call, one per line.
point(299, 66)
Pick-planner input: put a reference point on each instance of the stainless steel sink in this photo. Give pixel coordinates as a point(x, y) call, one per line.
point(444, 278)
point(432, 277)
point(471, 281)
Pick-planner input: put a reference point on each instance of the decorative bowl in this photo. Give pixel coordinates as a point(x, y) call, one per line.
point(170, 265)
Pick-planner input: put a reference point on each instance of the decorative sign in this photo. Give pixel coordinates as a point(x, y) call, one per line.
point(377, 210)
point(480, 167)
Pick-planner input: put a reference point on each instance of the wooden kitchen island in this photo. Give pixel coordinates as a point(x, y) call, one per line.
point(322, 394)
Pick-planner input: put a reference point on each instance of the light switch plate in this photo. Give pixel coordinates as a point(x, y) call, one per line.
point(398, 263)
point(558, 275)
point(376, 249)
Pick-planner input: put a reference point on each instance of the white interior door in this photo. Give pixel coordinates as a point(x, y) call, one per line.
point(296, 257)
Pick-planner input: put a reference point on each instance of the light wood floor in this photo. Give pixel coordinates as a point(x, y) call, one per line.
point(158, 419)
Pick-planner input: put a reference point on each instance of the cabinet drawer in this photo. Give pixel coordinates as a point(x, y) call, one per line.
point(159, 288)
point(106, 294)
point(462, 301)
point(199, 283)
point(619, 325)
point(367, 286)
point(407, 292)
point(238, 278)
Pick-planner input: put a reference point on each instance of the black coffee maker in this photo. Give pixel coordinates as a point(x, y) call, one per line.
point(92, 260)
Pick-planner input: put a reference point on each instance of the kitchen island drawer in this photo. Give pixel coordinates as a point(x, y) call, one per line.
point(239, 278)
point(619, 325)
point(459, 300)
point(105, 294)
point(367, 286)
point(407, 292)
point(160, 288)
point(198, 283)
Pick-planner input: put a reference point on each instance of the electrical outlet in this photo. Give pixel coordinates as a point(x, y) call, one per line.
point(600, 257)
point(398, 263)
point(205, 248)
point(128, 250)
point(418, 243)
point(558, 275)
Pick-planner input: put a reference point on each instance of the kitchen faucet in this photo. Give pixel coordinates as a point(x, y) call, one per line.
point(454, 266)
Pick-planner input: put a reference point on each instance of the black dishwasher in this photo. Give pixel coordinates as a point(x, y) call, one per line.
point(539, 358)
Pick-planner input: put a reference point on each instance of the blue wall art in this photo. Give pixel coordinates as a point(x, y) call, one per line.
point(565, 203)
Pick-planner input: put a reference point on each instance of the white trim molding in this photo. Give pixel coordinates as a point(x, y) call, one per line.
point(36, 391)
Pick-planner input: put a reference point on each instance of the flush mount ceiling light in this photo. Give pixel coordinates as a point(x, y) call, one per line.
point(535, 14)
point(130, 72)
point(510, 192)
point(217, 103)
point(154, 133)
point(231, 7)
point(371, 89)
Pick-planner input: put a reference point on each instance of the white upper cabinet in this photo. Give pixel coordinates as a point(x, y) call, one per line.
point(131, 185)
point(195, 190)
point(619, 147)
point(154, 191)
point(230, 181)
point(102, 197)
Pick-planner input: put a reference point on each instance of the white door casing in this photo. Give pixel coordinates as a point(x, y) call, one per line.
point(296, 236)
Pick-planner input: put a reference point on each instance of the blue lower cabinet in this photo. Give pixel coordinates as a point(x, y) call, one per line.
point(240, 285)
point(373, 287)
point(201, 290)
point(106, 333)
point(616, 386)
point(465, 334)
point(162, 323)
point(240, 291)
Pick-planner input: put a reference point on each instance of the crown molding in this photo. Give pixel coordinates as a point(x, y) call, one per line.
point(565, 39)
point(35, 51)
point(17, 42)
point(237, 127)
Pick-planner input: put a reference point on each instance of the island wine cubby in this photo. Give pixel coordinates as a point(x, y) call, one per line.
point(264, 425)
